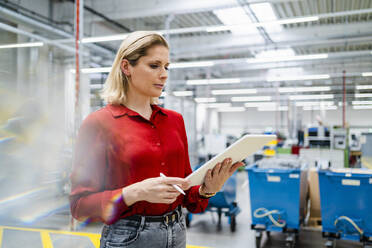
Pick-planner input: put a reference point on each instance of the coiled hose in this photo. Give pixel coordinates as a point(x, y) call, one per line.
point(265, 212)
point(351, 222)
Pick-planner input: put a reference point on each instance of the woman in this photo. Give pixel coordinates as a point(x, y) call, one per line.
point(122, 149)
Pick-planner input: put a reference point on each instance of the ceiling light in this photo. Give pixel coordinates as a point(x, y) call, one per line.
point(258, 104)
point(311, 97)
point(361, 102)
point(323, 103)
point(234, 92)
point(363, 95)
point(287, 58)
point(303, 89)
point(183, 93)
point(205, 99)
point(298, 20)
point(191, 64)
point(367, 74)
point(363, 87)
point(276, 53)
point(96, 70)
point(213, 81)
point(93, 70)
point(250, 98)
point(319, 107)
point(19, 45)
point(104, 38)
point(295, 78)
point(362, 107)
point(231, 109)
point(275, 108)
point(216, 105)
point(233, 18)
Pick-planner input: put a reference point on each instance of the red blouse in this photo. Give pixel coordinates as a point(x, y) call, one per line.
point(117, 147)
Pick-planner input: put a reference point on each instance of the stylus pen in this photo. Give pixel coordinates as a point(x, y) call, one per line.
point(174, 186)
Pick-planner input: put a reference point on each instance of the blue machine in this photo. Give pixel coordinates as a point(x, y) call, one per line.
point(278, 199)
point(346, 205)
point(223, 202)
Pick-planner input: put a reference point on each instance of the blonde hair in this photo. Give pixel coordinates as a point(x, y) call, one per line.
point(133, 47)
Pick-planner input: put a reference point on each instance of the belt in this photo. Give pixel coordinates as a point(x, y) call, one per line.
point(171, 217)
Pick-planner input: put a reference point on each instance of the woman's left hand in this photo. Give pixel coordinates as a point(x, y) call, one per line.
point(216, 177)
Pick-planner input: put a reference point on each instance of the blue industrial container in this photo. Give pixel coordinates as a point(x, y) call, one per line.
point(346, 204)
point(278, 199)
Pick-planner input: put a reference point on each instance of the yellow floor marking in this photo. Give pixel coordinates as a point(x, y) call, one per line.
point(95, 239)
point(1, 235)
point(85, 234)
point(45, 239)
point(47, 242)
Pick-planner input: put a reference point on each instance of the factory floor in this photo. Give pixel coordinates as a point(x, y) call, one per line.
point(39, 218)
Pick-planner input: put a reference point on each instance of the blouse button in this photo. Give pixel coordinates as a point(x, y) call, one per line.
point(158, 144)
point(152, 126)
point(162, 163)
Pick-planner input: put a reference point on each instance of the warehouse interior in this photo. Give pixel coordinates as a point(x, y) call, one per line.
point(297, 69)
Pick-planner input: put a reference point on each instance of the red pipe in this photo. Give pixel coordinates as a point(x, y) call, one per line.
point(344, 100)
point(77, 74)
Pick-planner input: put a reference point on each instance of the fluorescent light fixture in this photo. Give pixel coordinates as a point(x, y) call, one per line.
point(311, 97)
point(234, 92)
point(183, 93)
point(361, 102)
point(191, 64)
point(363, 95)
point(323, 103)
point(367, 74)
point(298, 20)
point(320, 107)
point(231, 109)
point(217, 105)
point(96, 70)
point(205, 99)
point(259, 104)
point(19, 45)
point(233, 18)
point(266, 24)
point(295, 78)
point(279, 53)
point(287, 58)
point(93, 70)
point(362, 107)
point(279, 108)
point(104, 38)
point(213, 81)
point(363, 87)
point(303, 89)
point(250, 98)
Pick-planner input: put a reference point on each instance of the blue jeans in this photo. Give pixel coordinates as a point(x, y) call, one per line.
point(141, 234)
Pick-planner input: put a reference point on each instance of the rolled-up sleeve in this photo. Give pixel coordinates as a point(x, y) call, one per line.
point(89, 198)
point(192, 201)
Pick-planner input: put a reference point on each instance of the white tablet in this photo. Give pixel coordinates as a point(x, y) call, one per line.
point(242, 148)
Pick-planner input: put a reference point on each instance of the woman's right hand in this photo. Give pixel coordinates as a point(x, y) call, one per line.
point(154, 190)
